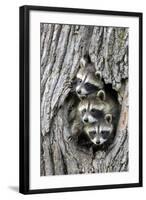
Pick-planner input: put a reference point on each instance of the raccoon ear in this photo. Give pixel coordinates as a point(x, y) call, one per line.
point(98, 75)
point(101, 95)
point(83, 63)
point(108, 118)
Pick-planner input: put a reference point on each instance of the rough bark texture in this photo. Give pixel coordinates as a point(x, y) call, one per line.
point(62, 47)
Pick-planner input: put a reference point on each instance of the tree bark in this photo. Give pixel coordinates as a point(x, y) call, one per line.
point(62, 47)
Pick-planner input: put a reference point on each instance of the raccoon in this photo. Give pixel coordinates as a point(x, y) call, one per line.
point(88, 111)
point(102, 131)
point(88, 80)
point(92, 109)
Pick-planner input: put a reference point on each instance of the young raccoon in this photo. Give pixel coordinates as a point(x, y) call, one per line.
point(92, 109)
point(88, 80)
point(88, 111)
point(101, 132)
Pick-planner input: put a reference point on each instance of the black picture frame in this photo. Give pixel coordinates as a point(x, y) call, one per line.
point(24, 98)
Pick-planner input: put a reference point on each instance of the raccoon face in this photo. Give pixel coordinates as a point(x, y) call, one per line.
point(100, 132)
point(91, 110)
point(88, 81)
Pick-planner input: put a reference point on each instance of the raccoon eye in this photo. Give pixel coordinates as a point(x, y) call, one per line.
point(96, 113)
point(93, 110)
point(79, 80)
point(83, 111)
point(105, 134)
point(92, 134)
point(90, 87)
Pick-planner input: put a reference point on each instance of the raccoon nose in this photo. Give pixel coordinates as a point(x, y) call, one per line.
point(79, 91)
point(97, 142)
point(86, 120)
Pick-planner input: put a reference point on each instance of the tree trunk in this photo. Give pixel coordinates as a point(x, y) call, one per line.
point(62, 47)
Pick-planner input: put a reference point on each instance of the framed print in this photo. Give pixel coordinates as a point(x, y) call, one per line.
point(80, 99)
